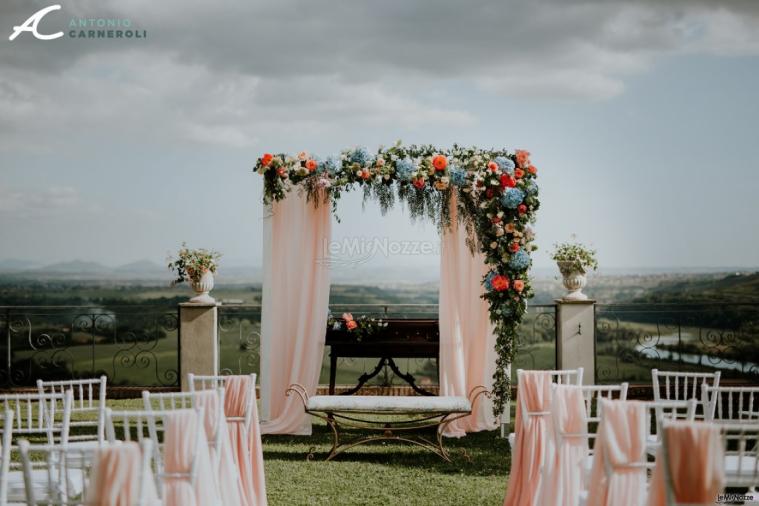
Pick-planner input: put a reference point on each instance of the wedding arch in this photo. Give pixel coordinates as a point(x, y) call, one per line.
point(490, 195)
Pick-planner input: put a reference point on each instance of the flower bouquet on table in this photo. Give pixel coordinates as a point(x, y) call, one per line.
point(360, 328)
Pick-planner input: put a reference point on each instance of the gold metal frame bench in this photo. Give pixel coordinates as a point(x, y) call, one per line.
point(405, 429)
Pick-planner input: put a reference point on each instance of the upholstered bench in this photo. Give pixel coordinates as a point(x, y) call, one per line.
point(399, 418)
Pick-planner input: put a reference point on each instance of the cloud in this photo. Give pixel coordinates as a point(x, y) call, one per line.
point(25, 204)
point(234, 73)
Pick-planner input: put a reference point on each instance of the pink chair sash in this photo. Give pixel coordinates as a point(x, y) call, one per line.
point(227, 474)
point(182, 432)
point(118, 477)
point(617, 478)
point(532, 439)
point(247, 449)
point(563, 476)
point(694, 465)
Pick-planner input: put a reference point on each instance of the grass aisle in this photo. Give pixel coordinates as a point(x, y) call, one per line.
point(393, 474)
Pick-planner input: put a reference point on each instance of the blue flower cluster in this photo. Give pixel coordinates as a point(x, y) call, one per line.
point(360, 156)
point(330, 165)
point(512, 197)
point(404, 168)
point(489, 280)
point(532, 188)
point(520, 260)
point(458, 176)
point(505, 164)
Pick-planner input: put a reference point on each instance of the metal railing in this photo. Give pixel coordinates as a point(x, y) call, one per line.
point(240, 338)
point(631, 339)
point(132, 345)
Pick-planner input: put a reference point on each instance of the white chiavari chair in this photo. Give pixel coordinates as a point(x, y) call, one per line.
point(149, 425)
point(559, 377)
point(661, 411)
point(201, 382)
point(65, 476)
point(89, 396)
point(168, 401)
point(677, 386)
point(741, 444)
point(592, 394)
point(5, 455)
point(731, 404)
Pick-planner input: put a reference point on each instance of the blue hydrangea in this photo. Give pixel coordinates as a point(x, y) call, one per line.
point(505, 164)
point(532, 188)
point(512, 197)
point(330, 165)
point(404, 168)
point(360, 156)
point(489, 280)
point(520, 260)
point(458, 176)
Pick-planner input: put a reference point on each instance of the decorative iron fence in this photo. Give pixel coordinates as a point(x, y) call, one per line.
point(240, 340)
point(132, 345)
point(631, 339)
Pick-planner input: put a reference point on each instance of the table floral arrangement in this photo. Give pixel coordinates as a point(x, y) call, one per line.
point(360, 328)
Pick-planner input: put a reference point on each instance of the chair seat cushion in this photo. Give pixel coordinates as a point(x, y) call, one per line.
point(389, 404)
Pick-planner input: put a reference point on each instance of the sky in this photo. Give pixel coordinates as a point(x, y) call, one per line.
point(640, 116)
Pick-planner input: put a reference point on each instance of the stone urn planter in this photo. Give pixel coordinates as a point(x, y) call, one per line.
point(574, 280)
point(201, 288)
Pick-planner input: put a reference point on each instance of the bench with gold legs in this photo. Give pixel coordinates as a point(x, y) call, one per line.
point(390, 418)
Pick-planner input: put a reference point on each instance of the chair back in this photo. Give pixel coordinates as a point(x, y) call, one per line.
point(44, 417)
point(559, 377)
point(662, 411)
point(208, 382)
point(741, 444)
point(5, 455)
point(142, 426)
point(67, 473)
point(731, 404)
point(592, 394)
point(675, 386)
point(89, 396)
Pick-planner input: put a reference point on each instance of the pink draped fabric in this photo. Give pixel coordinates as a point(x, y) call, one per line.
point(532, 439)
point(467, 340)
point(246, 440)
point(226, 473)
point(618, 477)
point(694, 465)
point(185, 446)
point(294, 316)
point(563, 476)
point(118, 477)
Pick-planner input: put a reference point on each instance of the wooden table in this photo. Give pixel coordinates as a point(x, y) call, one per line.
point(402, 338)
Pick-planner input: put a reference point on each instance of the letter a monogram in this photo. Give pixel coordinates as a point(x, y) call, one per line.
point(30, 25)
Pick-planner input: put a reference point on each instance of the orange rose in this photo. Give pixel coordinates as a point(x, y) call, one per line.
point(492, 166)
point(266, 159)
point(523, 158)
point(532, 170)
point(365, 174)
point(440, 162)
point(351, 325)
point(311, 164)
point(518, 285)
point(514, 247)
point(519, 173)
point(500, 283)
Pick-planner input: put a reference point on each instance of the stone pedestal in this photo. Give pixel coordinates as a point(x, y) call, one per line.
point(575, 336)
point(199, 340)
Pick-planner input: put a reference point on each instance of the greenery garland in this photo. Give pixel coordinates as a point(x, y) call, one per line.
point(497, 201)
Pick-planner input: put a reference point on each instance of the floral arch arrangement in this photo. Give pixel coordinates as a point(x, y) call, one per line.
point(497, 198)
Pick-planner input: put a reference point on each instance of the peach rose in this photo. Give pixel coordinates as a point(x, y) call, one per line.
point(518, 285)
point(523, 158)
point(302, 156)
point(351, 325)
